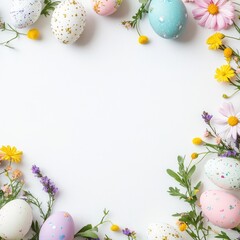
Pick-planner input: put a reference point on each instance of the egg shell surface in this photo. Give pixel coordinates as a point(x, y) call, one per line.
point(25, 12)
point(106, 7)
point(15, 219)
point(221, 208)
point(59, 226)
point(160, 231)
point(224, 172)
point(68, 21)
point(167, 17)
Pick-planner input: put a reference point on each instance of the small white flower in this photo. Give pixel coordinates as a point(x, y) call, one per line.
point(230, 121)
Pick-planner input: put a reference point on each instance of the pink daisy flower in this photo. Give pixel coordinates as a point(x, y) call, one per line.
point(230, 121)
point(214, 14)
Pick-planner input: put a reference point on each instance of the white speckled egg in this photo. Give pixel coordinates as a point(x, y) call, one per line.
point(157, 231)
point(68, 21)
point(15, 220)
point(224, 172)
point(25, 12)
point(167, 17)
point(222, 209)
point(59, 226)
point(106, 7)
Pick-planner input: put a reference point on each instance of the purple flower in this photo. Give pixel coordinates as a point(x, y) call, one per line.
point(36, 170)
point(229, 153)
point(48, 185)
point(206, 117)
point(127, 232)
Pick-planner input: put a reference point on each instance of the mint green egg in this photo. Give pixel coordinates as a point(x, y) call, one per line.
point(167, 17)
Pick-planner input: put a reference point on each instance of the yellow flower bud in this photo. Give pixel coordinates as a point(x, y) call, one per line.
point(197, 141)
point(143, 39)
point(194, 155)
point(33, 34)
point(228, 52)
point(115, 228)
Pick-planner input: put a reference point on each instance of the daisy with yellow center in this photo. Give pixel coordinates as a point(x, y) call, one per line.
point(11, 154)
point(214, 14)
point(230, 121)
point(215, 41)
point(224, 73)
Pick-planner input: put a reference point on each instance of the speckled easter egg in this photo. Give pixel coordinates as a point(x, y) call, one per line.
point(221, 208)
point(15, 220)
point(224, 172)
point(25, 12)
point(167, 17)
point(106, 7)
point(157, 231)
point(59, 226)
point(68, 21)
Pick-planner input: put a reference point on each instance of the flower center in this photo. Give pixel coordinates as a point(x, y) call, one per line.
point(233, 121)
point(213, 9)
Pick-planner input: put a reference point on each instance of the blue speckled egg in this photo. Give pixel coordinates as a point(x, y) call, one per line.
point(59, 226)
point(167, 17)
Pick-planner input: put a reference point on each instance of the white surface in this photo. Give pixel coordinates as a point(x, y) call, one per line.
point(106, 116)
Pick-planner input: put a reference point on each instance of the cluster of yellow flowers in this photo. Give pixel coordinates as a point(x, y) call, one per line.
point(226, 73)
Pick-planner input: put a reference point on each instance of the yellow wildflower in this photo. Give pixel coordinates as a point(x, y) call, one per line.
point(224, 73)
point(33, 34)
point(215, 41)
point(115, 228)
point(11, 154)
point(182, 226)
point(197, 141)
point(228, 52)
point(143, 39)
point(194, 155)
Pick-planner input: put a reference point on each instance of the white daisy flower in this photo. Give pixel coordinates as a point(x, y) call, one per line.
point(230, 121)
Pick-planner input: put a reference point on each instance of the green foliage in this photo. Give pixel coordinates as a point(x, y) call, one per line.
point(193, 218)
point(89, 231)
point(49, 7)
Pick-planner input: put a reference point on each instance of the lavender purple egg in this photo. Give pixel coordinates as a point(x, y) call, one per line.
point(59, 226)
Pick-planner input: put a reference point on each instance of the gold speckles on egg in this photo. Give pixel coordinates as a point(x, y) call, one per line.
point(68, 21)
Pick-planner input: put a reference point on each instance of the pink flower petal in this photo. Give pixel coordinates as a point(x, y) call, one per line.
point(199, 12)
point(209, 21)
point(214, 22)
point(201, 3)
point(234, 132)
point(220, 23)
point(204, 18)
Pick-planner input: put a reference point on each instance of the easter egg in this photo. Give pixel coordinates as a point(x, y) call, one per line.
point(157, 231)
point(224, 172)
point(167, 17)
point(15, 220)
point(222, 209)
point(25, 12)
point(106, 7)
point(59, 226)
point(68, 21)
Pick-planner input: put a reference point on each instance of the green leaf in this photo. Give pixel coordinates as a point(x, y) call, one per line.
point(191, 171)
point(174, 175)
point(85, 228)
point(88, 234)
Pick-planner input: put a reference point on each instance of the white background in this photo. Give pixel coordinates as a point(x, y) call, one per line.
point(106, 116)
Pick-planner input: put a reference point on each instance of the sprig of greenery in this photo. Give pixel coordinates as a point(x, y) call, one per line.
point(49, 7)
point(89, 231)
point(141, 12)
point(8, 28)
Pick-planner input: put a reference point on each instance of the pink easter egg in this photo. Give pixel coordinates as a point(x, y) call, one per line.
point(106, 7)
point(222, 209)
point(59, 226)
